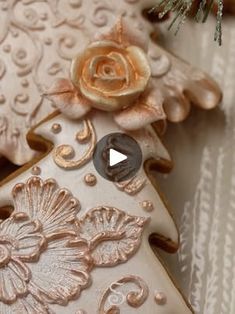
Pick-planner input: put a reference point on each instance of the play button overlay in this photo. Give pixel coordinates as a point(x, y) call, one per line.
point(117, 157)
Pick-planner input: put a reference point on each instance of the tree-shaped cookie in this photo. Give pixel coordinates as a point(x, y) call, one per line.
point(76, 242)
point(38, 40)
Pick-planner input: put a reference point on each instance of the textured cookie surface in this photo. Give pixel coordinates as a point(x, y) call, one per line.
point(77, 243)
point(39, 39)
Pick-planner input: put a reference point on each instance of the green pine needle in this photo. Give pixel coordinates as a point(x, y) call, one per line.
point(182, 9)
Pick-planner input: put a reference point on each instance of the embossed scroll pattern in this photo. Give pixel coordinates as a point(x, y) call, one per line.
point(63, 154)
point(134, 298)
point(53, 32)
point(43, 236)
point(132, 186)
point(120, 72)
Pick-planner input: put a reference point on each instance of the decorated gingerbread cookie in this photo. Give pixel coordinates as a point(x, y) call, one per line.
point(78, 243)
point(40, 38)
point(72, 241)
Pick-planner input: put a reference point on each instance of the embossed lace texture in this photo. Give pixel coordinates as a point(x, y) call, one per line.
point(38, 39)
point(52, 33)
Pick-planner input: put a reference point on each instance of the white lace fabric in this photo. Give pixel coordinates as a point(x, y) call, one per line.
point(201, 188)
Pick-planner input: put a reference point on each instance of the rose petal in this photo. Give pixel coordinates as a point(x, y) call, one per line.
point(141, 66)
point(146, 111)
point(176, 107)
point(67, 99)
point(204, 93)
point(124, 34)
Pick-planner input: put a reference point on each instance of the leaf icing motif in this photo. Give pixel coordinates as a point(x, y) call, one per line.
point(113, 235)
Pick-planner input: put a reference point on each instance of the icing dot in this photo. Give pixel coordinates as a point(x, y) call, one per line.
point(90, 179)
point(69, 42)
point(21, 54)
point(44, 16)
point(21, 98)
point(160, 298)
point(48, 41)
point(7, 48)
point(147, 205)
point(4, 6)
point(56, 128)
point(25, 83)
point(2, 99)
point(36, 171)
point(54, 68)
point(140, 26)
point(16, 132)
point(75, 3)
point(15, 33)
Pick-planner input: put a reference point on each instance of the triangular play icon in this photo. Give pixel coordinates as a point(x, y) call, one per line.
point(115, 157)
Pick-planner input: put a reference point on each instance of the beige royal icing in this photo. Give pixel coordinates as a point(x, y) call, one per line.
point(53, 32)
point(75, 247)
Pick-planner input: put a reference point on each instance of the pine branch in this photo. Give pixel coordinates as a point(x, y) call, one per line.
point(182, 8)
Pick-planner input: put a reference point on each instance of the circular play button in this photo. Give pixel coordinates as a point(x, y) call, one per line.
point(117, 157)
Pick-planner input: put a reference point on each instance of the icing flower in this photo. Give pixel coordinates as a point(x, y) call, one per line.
point(47, 253)
point(15, 233)
point(121, 71)
point(37, 243)
point(109, 75)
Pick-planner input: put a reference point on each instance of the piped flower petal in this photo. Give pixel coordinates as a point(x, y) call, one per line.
point(23, 236)
point(28, 304)
point(14, 280)
point(55, 208)
point(65, 266)
point(67, 99)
